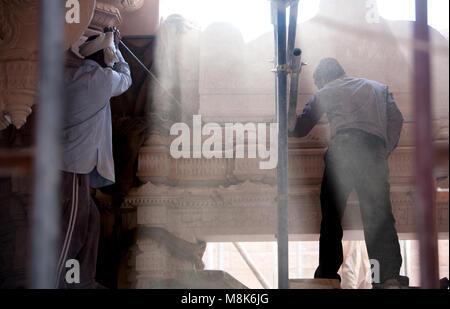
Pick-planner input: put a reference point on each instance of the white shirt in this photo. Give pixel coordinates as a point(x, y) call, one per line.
point(354, 103)
point(87, 132)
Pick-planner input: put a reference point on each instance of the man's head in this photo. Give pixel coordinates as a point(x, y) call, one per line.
point(102, 48)
point(327, 71)
point(99, 56)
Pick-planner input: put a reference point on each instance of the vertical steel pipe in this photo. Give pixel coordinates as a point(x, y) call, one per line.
point(282, 234)
point(425, 192)
point(274, 17)
point(46, 206)
point(296, 68)
point(293, 14)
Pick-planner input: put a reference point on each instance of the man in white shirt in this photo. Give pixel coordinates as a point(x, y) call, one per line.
point(87, 149)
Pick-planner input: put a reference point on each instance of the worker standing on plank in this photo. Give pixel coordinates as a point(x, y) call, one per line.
point(87, 151)
point(365, 129)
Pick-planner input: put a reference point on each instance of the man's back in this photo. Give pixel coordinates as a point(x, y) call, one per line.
point(355, 103)
point(87, 133)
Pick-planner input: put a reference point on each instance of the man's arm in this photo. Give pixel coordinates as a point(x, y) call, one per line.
point(120, 76)
point(394, 123)
point(112, 82)
point(121, 81)
point(308, 119)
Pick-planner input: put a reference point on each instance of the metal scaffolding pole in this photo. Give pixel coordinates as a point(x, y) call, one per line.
point(294, 60)
point(281, 94)
point(425, 195)
point(296, 69)
point(45, 222)
point(293, 14)
point(288, 60)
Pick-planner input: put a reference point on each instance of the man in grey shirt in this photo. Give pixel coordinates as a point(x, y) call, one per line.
point(87, 150)
point(365, 129)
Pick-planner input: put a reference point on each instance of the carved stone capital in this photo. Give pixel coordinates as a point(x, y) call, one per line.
point(17, 92)
point(106, 15)
point(18, 28)
point(126, 5)
point(19, 33)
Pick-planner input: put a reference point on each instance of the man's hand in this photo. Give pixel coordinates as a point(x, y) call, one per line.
point(117, 37)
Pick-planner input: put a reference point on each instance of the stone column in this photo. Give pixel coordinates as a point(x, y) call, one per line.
point(19, 35)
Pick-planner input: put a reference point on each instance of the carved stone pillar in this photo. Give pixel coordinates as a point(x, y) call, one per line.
point(18, 53)
point(108, 12)
point(19, 34)
point(126, 5)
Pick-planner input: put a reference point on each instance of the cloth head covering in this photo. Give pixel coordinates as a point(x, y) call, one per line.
point(105, 42)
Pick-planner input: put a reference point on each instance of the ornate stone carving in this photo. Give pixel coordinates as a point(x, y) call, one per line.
point(247, 211)
point(19, 35)
point(20, 93)
point(126, 5)
point(18, 46)
point(108, 12)
point(18, 29)
point(10, 10)
point(106, 15)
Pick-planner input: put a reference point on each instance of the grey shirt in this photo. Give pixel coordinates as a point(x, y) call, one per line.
point(354, 103)
point(87, 133)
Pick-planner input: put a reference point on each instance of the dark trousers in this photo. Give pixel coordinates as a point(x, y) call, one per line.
point(357, 160)
point(80, 231)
